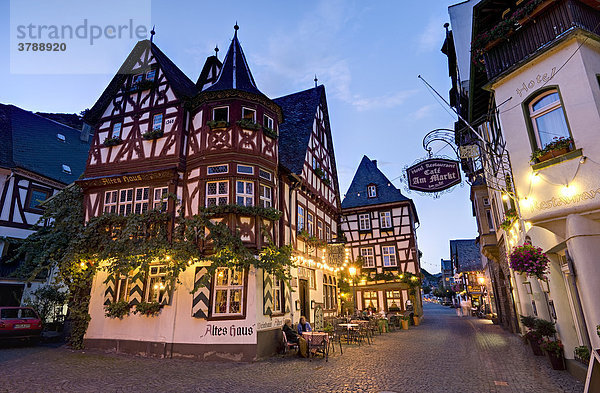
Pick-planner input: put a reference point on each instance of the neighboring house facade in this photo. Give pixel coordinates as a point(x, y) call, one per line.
point(38, 158)
point(466, 262)
point(380, 224)
point(216, 142)
point(447, 273)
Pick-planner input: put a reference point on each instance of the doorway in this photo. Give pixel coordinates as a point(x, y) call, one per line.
point(304, 299)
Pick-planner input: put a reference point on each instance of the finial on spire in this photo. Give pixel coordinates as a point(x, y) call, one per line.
point(217, 51)
point(152, 32)
point(236, 27)
point(316, 80)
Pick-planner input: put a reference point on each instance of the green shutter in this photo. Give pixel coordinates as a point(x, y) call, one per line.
point(110, 291)
point(136, 289)
point(267, 293)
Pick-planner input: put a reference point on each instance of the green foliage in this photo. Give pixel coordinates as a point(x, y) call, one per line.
point(212, 124)
point(555, 347)
point(311, 240)
point(149, 309)
point(555, 145)
point(112, 141)
point(406, 317)
point(545, 328)
point(583, 353)
point(269, 132)
point(49, 302)
point(248, 124)
point(154, 134)
point(117, 309)
point(528, 321)
point(120, 244)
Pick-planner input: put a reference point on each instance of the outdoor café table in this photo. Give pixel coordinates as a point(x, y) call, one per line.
point(317, 340)
point(348, 325)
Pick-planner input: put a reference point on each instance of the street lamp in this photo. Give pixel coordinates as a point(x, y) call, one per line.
point(352, 271)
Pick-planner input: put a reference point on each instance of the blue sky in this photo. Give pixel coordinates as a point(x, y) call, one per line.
point(367, 54)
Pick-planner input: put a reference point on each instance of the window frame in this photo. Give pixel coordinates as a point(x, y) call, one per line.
point(278, 294)
point(208, 168)
point(269, 123)
point(367, 221)
point(218, 195)
point(245, 108)
point(160, 204)
point(155, 71)
point(385, 252)
point(530, 116)
point(121, 295)
point(28, 199)
point(214, 287)
point(263, 172)
point(247, 166)
point(300, 218)
point(245, 193)
point(373, 188)
point(366, 257)
point(310, 223)
point(374, 299)
point(264, 199)
point(112, 129)
point(160, 274)
point(114, 204)
point(220, 107)
point(162, 122)
point(384, 214)
point(126, 203)
point(140, 202)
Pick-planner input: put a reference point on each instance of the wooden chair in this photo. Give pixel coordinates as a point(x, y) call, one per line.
point(288, 345)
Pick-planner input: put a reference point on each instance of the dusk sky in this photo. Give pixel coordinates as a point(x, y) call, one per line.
point(368, 57)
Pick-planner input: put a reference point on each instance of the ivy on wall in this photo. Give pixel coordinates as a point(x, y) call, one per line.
point(120, 244)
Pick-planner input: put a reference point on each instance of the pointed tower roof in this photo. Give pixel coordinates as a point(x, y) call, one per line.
point(235, 73)
point(368, 174)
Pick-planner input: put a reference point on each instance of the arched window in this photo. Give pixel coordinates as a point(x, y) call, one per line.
point(548, 118)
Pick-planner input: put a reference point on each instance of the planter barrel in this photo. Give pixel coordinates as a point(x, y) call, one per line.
point(416, 320)
point(535, 347)
point(556, 360)
point(404, 325)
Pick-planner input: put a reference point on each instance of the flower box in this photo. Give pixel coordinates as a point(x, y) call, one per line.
point(269, 132)
point(540, 5)
point(248, 125)
point(154, 134)
point(112, 142)
point(214, 125)
point(558, 147)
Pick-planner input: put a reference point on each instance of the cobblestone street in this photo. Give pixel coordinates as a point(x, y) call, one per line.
point(444, 354)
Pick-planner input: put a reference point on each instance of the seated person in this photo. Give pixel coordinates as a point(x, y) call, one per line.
point(304, 326)
point(293, 337)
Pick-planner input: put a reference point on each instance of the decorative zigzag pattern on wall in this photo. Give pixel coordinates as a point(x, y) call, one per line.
point(109, 292)
point(201, 298)
point(136, 291)
point(267, 294)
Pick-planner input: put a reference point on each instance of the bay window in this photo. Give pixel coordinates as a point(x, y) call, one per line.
point(245, 193)
point(217, 193)
point(266, 196)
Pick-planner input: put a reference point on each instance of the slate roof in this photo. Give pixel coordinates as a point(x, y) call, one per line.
point(235, 73)
point(182, 86)
point(446, 264)
point(368, 174)
point(212, 62)
point(294, 133)
point(466, 255)
point(30, 142)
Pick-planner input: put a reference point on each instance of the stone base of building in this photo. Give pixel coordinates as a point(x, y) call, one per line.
point(576, 369)
point(268, 344)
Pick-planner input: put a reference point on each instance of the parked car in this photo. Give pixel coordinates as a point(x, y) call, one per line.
point(20, 322)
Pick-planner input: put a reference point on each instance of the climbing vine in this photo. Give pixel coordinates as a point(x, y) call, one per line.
point(121, 244)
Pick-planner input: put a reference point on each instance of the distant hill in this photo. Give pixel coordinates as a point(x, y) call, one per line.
point(431, 279)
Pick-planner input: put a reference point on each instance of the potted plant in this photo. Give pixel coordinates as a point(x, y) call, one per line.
point(416, 320)
point(149, 309)
point(529, 260)
point(405, 320)
point(534, 340)
point(117, 309)
point(582, 354)
point(269, 132)
point(557, 147)
point(554, 350)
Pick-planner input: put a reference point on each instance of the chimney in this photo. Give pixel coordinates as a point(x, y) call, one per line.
point(86, 131)
point(374, 162)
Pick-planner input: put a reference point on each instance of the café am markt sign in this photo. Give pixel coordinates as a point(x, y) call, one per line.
point(433, 175)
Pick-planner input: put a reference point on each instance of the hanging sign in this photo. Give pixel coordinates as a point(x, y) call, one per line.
point(433, 175)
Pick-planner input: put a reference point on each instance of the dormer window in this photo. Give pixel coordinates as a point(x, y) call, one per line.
point(249, 114)
point(66, 169)
point(221, 114)
point(61, 137)
point(116, 130)
point(372, 191)
point(136, 80)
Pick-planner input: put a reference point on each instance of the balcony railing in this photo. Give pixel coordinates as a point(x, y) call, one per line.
point(552, 22)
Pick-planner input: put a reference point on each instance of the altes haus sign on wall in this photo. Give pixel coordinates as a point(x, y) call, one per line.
point(433, 175)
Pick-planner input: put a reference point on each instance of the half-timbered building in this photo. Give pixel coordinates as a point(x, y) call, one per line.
point(217, 142)
point(38, 158)
point(380, 228)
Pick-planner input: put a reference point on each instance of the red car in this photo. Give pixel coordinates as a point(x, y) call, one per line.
point(20, 322)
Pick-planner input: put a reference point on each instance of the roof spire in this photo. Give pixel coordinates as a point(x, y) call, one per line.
point(316, 80)
point(217, 51)
point(152, 32)
point(236, 28)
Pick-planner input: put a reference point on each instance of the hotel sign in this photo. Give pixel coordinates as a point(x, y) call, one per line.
point(433, 175)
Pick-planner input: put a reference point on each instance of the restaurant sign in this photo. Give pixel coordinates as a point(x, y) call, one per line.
point(433, 175)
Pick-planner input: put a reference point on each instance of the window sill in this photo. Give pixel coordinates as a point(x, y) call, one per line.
point(225, 317)
point(277, 314)
point(557, 160)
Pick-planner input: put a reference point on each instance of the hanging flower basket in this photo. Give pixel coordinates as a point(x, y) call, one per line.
point(529, 260)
